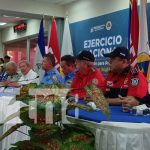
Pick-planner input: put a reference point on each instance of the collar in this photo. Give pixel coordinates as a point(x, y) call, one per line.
point(51, 70)
point(14, 74)
point(126, 70)
point(85, 73)
point(71, 74)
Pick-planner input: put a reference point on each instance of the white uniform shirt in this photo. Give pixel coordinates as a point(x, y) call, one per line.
point(30, 77)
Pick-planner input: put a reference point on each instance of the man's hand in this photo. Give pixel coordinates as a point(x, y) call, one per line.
point(128, 102)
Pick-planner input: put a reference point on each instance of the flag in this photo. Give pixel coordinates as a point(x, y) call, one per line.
point(40, 51)
point(53, 43)
point(66, 42)
point(134, 33)
point(143, 46)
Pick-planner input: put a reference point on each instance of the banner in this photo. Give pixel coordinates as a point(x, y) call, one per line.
point(101, 35)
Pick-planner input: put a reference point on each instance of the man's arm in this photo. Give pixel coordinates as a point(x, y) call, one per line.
point(114, 101)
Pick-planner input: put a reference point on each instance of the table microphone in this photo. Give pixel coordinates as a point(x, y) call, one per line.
point(28, 79)
point(22, 81)
point(6, 86)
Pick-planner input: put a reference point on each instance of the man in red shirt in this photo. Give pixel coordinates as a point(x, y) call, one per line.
point(123, 80)
point(86, 74)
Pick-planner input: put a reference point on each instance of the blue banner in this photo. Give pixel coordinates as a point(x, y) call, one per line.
point(101, 35)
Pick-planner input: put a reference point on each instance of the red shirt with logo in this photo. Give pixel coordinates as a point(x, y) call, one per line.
point(129, 83)
point(85, 79)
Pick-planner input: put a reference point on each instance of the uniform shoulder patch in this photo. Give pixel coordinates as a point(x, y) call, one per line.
point(134, 82)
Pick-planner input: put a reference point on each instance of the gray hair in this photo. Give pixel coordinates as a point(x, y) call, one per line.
point(11, 63)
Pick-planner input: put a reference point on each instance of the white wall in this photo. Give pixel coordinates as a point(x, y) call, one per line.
point(32, 29)
point(33, 7)
point(85, 9)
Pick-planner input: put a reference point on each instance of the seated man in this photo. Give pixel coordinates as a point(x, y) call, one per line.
point(51, 76)
point(68, 68)
point(28, 75)
point(3, 74)
point(12, 74)
point(1, 65)
point(123, 80)
point(131, 101)
point(6, 60)
point(86, 74)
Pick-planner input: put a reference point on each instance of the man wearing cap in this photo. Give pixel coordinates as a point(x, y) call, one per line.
point(86, 74)
point(123, 80)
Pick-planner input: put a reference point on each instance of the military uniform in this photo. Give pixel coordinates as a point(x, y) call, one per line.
point(130, 82)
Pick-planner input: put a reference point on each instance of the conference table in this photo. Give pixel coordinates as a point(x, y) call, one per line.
point(122, 131)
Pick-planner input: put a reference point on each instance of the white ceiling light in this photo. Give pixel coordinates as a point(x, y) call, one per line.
point(10, 16)
point(2, 23)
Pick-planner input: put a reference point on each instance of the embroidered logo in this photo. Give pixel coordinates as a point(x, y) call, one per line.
point(134, 82)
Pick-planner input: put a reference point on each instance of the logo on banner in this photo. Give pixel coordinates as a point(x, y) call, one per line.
point(97, 28)
point(108, 25)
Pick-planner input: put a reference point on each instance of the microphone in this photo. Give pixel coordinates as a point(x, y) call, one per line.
point(21, 81)
point(28, 79)
point(17, 86)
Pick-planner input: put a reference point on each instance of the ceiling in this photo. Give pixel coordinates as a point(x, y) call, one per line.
point(11, 19)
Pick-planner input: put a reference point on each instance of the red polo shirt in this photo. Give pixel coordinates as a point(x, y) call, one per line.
point(128, 83)
point(85, 79)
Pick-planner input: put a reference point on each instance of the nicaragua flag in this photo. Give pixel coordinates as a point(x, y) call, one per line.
point(40, 51)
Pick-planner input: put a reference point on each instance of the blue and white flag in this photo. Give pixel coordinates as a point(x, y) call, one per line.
point(40, 51)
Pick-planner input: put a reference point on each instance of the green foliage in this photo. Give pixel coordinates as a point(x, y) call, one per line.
point(98, 98)
point(54, 136)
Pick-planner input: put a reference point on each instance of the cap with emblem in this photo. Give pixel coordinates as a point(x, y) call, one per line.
point(85, 55)
point(121, 52)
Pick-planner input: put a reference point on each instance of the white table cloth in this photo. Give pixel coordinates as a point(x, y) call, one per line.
point(6, 110)
point(123, 136)
point(118, 135)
